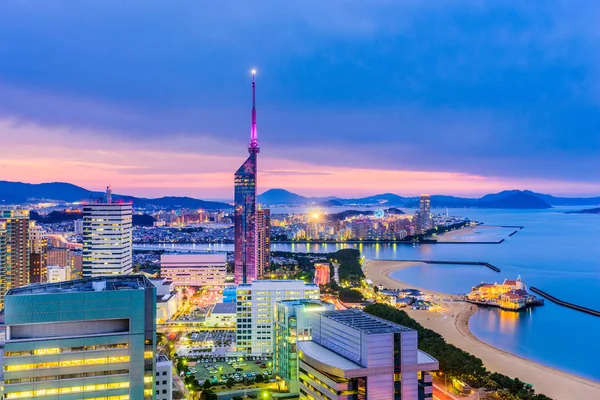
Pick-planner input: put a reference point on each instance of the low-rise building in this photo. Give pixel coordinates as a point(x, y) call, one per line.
point(222, 315)
point(194, 270)
point(164, 378)
point(322, 273)
point(56, 273)
point(353, 354)
point(167, 299)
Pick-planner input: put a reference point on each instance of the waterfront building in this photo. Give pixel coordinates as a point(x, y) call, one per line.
point(37, 255)
point(353, 354)
point(92, 338)
point(293, 323)
point(322, 273)
point(56, 273)
point(424, 217)
point(15, 271)
point(194, 270)
point(263, 241)
point(164, 378)
point(245, 258)
point(255, 311)
point(107, 241)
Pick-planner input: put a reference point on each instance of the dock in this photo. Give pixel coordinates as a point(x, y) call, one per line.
point(482, 263)
point(565, 303)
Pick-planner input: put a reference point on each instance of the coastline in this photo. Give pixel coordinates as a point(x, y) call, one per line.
point(453, 325)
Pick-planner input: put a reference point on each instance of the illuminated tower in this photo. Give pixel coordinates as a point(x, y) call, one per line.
point(245, 207)
point(15, 260)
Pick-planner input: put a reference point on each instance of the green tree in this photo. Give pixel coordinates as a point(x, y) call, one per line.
point(350, 295)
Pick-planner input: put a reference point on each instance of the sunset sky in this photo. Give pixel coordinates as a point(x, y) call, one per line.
point(354, 97)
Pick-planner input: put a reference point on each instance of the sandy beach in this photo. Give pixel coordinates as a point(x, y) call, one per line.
point(467, 234)
point(452, 324)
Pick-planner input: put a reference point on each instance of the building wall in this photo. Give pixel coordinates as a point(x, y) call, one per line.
point(17, 253)
point(102, 343)
point(255, 311)
point(194, 269)
point(107, 239)
point(164, 379)
point(244, 218)
point(263, 241)
point(58, 274)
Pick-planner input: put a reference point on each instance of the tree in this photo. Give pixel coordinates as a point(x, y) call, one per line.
point(206, 384)
point(208, 394)
point(230, 382)
point(350, 295)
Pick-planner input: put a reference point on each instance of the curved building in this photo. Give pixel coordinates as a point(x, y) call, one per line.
point(356, 356)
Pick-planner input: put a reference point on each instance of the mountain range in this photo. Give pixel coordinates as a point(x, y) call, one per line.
point(520, 199)
point(18, 193)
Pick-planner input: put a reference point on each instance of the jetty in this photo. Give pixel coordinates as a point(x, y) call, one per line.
point(565, 303)
point(485, 264)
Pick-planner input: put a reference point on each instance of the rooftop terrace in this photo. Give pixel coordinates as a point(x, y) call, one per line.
point(96, 284)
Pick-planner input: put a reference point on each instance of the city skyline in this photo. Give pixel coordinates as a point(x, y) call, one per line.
point(353, 107)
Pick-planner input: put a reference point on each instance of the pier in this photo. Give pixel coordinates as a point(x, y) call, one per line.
point(485, 264)
point(565, 303)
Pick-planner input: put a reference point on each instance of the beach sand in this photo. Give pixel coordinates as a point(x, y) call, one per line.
point(452, 324)
point(459, 235)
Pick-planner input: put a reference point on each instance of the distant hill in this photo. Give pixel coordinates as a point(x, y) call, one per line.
point(285, 197)
point(588, 211)
point(507, 199)
point(18, 192)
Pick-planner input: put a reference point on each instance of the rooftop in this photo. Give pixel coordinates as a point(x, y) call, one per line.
point(364, 322)
point(96, 284)
point(161, 358)
point(275, 284)
point(224, 308)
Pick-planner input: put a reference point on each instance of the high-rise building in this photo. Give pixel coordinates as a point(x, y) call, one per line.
point(92, 338)
point(255, 311)
point(263, 241)
point(194, 270)
point(3, 263)
point(107, 237)
point(353, 354)
point(37, 257)
point(293, 323)
point(16, 267)
point(246, 269)
point(424, 218)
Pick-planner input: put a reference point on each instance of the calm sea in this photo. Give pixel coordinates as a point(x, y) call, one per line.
point(556, 252)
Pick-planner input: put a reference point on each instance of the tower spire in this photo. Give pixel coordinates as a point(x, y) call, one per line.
point(253, 145)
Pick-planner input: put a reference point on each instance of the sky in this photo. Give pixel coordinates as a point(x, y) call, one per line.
point(353, 97)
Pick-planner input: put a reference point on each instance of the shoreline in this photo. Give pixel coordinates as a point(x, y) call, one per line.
point(453, 325)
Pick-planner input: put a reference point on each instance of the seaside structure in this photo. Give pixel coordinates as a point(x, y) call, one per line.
point(37, 255)
point(92, 338)
point(353, 354)
point(293, 323)
point(15, 272)
point(322, 273)
point(255, 311)
point(510, 295)
point(245, 257)
point(107, 241)
point(194, 270)
point(263, 241)
point(424, 220)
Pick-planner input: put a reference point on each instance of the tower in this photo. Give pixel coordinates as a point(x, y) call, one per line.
point(263, 241)
point(16, 254)
point(245, 257)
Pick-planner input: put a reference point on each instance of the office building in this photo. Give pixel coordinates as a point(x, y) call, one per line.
point(255, 311)
point(107, 240)
point(164, 378)
point(229, 293)
point(15, 271)
point(222, 315)
point(194, 270)
point(56, 273)
point(424, 217)
point(167, 299)
point(244, 218)
point(322, 273)
point(37, 256)
point(93, 338)
point(78, 227)
point(293, 323)
point(263, 241)
point(3, 251)
point(60, 256)
point(353, 354)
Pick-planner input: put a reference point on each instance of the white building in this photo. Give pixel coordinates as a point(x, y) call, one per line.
point(164, 378)
point(167, 299)
point(194, 269)
point(57, 273)
point(221, 315)
point(107, 241)
point(256, 308)
point(78, 227)
point(353, 353)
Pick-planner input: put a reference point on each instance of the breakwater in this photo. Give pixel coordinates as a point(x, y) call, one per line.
point(565, 303)
point(482, 263)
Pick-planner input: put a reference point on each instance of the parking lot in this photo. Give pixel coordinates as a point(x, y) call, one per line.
point(237, 369)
